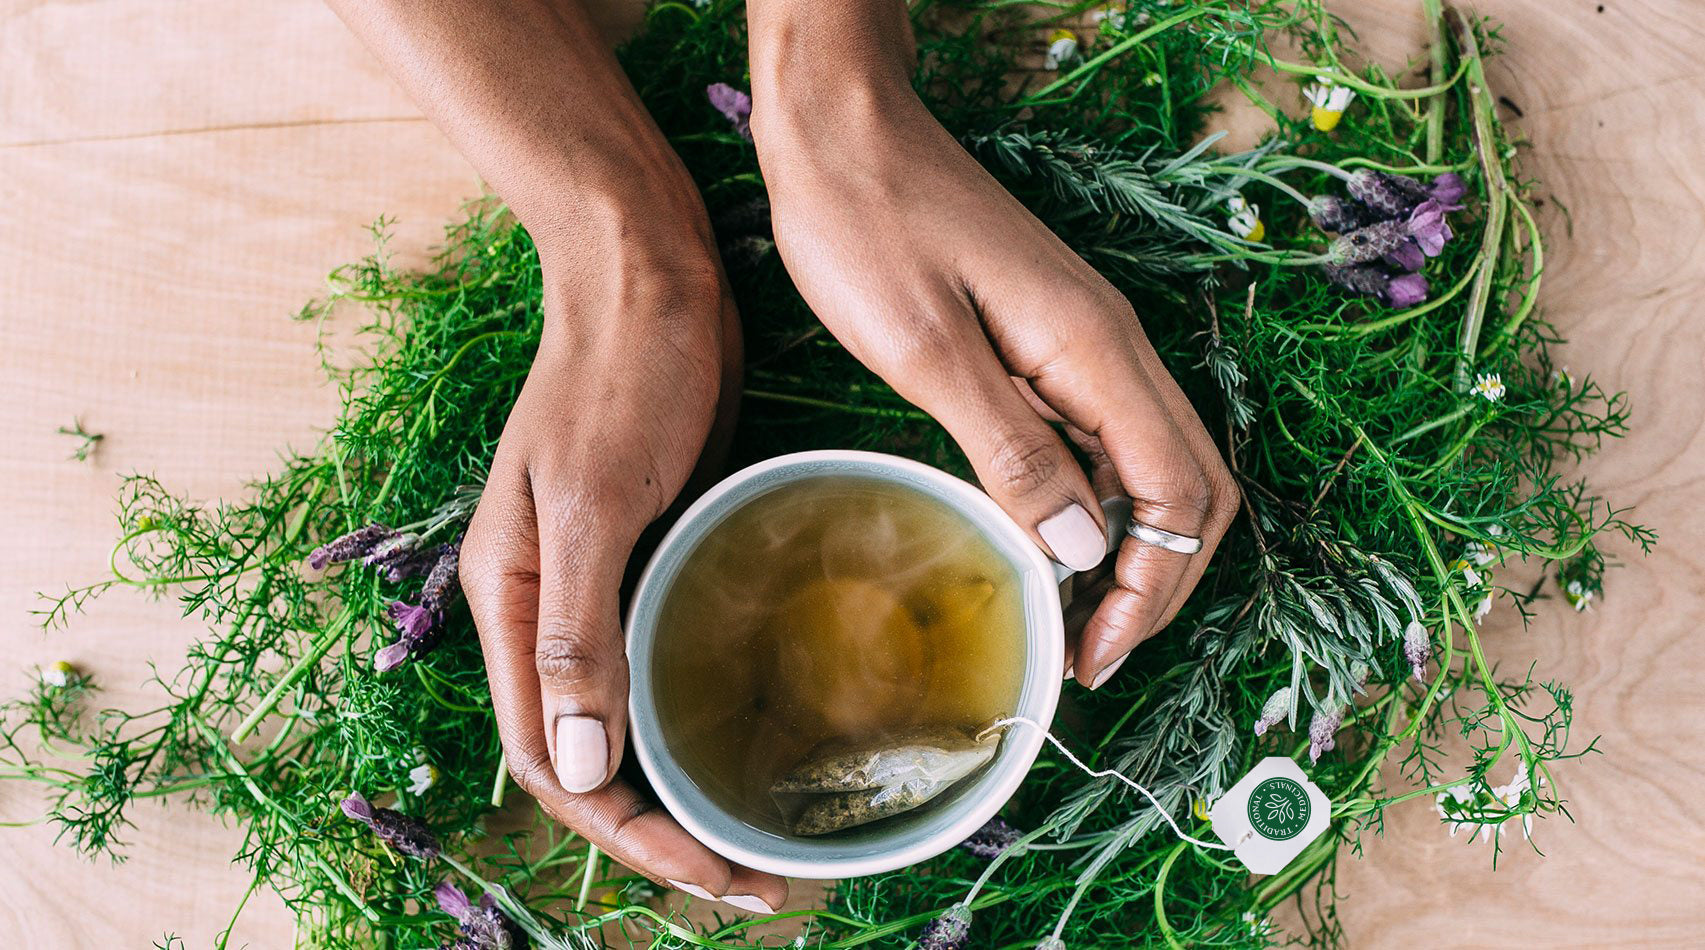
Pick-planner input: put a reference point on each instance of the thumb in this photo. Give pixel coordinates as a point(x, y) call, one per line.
point(1019, 459)
point(578, 651)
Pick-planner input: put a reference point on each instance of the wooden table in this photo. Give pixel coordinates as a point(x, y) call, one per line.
point(178, 177)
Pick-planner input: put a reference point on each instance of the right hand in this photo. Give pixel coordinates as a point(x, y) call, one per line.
point(641, 347)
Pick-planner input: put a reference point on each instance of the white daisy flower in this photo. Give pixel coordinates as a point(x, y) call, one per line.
point(1483, 608)
point(1577, 595)
point(1245, 219)
point(1480, 553)
point(422, 777)
point(1458, 807)
point(1490, 385)
point(1062, 47)
point(1562, 378)
point(1329, 101)
point(59, 674)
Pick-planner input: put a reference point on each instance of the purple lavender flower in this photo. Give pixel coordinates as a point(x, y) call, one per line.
point(1369, 243)
point(392, 553)
point(1322, 731)
point(990, 840)
point(442, 581)
point(350, 546)
point(414, 565)
point(1417, 648)
point(483, 927)
point(1277, 707)
point(406, 835)
point(1331, 213)
point(1428, 227)
point(419, 629)
point(735, 105)
point(950, 931)
point(1448, 189)
point(1408, 257)
point(1387, 196)
point(1404, 291)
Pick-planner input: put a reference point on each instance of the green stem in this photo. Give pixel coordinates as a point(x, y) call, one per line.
point(1166, 931)
point(592, 856)
point(317, 650)
point(1111, 53)
point(1497, 192)
point(1440, 53)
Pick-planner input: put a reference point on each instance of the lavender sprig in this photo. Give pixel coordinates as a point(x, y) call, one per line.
point(483, 926)
point(405, 835)
point(990, 840)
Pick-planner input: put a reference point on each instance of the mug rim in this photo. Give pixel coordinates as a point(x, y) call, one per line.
point(1044, 646)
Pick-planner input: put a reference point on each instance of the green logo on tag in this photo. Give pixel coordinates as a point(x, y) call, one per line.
point(1278, 808)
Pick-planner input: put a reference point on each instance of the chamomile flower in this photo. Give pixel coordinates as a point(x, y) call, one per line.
point(1329, 101)
point(1479, 553)
point(423, 775)
point(1257, 925)
point(1485, 812)
point(1245, 219)
point(1577, 595)
point(1562, 378)
point(1199, 808)
point(59, 674)
point(1489, 385)
point(1483, 608)
point(1062, 47)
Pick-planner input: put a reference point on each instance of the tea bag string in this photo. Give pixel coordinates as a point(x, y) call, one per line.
point(1102, 773)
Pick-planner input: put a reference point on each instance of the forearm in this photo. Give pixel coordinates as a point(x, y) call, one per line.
point(529, 91)
point(827, 63)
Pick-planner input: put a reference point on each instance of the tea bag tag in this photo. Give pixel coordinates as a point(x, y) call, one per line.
point(1271, 815)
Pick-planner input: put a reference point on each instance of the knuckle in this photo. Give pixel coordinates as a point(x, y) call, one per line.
point(932, 343)
point(533, 775)
point(1025, 463)
point(566, 661)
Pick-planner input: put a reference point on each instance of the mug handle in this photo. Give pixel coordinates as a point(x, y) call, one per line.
point(1117, 511)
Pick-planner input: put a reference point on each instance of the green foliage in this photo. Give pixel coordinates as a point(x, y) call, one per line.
point(1372, 476)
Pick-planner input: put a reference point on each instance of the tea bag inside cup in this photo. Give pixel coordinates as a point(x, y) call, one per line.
point(842, 785)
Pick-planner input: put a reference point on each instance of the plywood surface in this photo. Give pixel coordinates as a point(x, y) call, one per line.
point(177, 177)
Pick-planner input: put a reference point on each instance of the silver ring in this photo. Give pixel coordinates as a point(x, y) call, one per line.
point(1161, 538)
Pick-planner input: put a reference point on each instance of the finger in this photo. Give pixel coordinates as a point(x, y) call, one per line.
point(501, 582)
point(954, 375)
point(578, 656)
point(1126, 418)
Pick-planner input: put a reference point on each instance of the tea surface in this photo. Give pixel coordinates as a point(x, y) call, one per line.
point(839, 608)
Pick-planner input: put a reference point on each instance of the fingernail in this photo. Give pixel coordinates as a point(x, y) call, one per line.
point(1107, 673)
point(582, 753)
point(692, 889)
point(1074, 537)
point(749, 902)
point(1068, 671)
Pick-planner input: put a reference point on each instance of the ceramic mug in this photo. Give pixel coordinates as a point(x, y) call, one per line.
point(904, 839)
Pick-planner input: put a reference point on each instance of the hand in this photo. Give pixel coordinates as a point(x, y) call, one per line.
point(943, 284)
point(611, 422)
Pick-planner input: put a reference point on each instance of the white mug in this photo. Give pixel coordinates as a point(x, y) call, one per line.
point(904, 839)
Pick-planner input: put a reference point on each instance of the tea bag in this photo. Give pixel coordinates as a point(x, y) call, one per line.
point(841, 786)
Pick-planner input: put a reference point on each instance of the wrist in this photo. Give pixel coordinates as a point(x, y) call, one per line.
point(818, 68)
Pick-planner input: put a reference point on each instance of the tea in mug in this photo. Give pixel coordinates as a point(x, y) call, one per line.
point(829, 652)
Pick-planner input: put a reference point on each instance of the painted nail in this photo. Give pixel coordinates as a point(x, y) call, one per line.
point(1074, 538)
point(582, 753)
point(749, 902)
point(1107, 673)
point(692, 889)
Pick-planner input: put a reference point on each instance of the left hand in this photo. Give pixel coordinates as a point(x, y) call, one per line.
point(943, 284)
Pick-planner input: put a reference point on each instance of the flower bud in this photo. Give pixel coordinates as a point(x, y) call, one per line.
point(1369, 243)
point(348, 547)
point(1417, 648)
point(1386, 195)
point(950, 931)
point(1322, 731)
point(990, 840)
point(735, 106)
point(405, 835)
point(1277, 707)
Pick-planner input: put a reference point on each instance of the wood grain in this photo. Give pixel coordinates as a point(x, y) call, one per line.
point(178, 177)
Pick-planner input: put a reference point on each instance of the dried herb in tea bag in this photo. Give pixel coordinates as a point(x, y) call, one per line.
point(841, 786)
